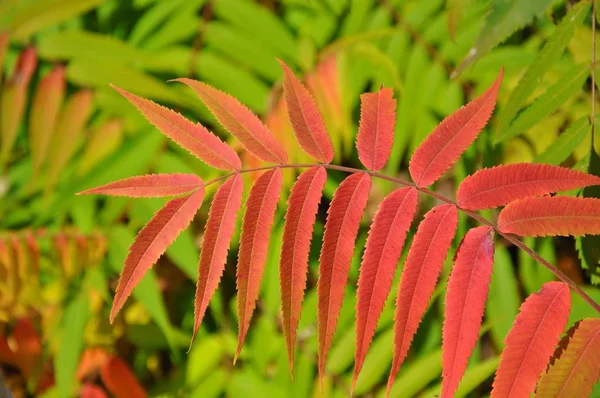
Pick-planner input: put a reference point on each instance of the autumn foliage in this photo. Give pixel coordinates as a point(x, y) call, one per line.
point(524, 190)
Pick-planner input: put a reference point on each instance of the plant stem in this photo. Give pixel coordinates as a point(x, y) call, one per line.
point(475, 216)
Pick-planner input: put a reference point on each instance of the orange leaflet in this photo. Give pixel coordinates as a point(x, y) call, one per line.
point(120, 380)
point(240, 122)
point(254, 242)
point(531, 341)
point(341, 229)
point(500, 185)
point(465, 301)
point(551, 216)
point(191, 136)
point(376, 130)
point(382, 252)
point(420, 273)
point(152, 241)
point(306, 118)
point(149, 186)
point(215, 243)
point(452, 137)
point(300, 217)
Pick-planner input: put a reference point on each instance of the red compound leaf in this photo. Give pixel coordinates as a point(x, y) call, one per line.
point(254, 243)
point(382, 251)
point(465, 301)
point(376, 131)
point(532, 340)
point(149, 186)
point(303, 205)
point(305, 117)
point(452, 137)
point(423, 265)
point(341, 229)
point(501, 185)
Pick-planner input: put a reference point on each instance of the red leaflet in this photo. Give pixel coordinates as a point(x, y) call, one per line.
point(46, 103)
point(120, 380)
point(152, 241)
point(501, 185)
point(191, 136)
point(551, 216)
point(149, 186)
point(254, 242)
point(376, 131)
point(305, 118)
point(451, 137)
point(382, 252)
point(341, 229)
point(215, 243)
point(89, 390)
point(465, 301)
point(423, 265)
point(531, 341)
point(303, 205)
point(240, 122)
point(576, 364)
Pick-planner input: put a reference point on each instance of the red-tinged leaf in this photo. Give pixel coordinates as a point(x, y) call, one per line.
point(551, 216)
point(23, 348)
point(191, 136)
point(149, 186)
point(13, 101)
point(376, 131)
point(382, 251)
point(69, 128)
point(4, 41)
point(34, 252)
point(215, 243)
point(240, 121)
point(532, 340)
point(500, 185)
point(300, 217)
point(89, 390)
point(419, 276)
point(465, 302)
point(152, 241)
point(103, 140)
point(343, 220)
point(306, 118)
point(120, 381)
point(46, 103)
point(91, 361)
point(575, 368)
point(452, 137)
point(254, 243)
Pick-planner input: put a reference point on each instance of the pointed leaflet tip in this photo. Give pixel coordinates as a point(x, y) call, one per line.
point(466, 295)
point(254, 243)
point(215, 244)
point(193, 137)
point(305, 117)
point(452, 137)
point(149, 186)
point(376, 129)
point(303, 204)
point(382, 251)
point(152, 241)
point(343, 220)
point(240, 121)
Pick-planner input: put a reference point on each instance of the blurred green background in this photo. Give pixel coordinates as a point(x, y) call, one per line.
point(63, 130)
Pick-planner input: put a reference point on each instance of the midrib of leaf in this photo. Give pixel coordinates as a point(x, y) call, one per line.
point(544, 60)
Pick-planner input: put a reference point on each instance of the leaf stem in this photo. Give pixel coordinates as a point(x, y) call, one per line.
point(475, 216)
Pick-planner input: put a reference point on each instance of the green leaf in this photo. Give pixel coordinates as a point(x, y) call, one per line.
point(505, 17)
point(545, 58)
point(152, 19)
point(415, 376)
point(205, 356)
point(566, 143)
point(503, 304)
point(568, 85)
point(531, 273)
point(377, 362)
point(44, 13)
point(147, 291)
point(180, 26)
point(66, 360)
point(472, 379)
